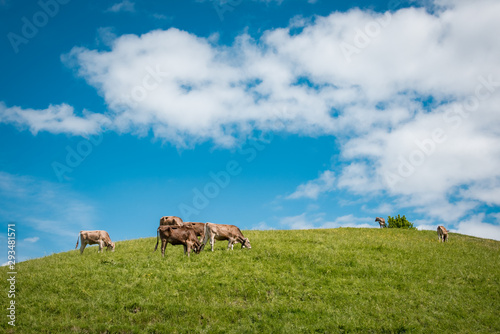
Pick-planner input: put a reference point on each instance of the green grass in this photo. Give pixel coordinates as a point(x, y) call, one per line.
point(324, 281)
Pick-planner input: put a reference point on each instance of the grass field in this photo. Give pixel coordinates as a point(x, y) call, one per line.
point(324, 281)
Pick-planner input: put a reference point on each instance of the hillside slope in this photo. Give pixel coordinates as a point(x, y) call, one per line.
point(337, 280)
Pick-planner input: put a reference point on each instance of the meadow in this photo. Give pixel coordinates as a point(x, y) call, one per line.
point(341, 280)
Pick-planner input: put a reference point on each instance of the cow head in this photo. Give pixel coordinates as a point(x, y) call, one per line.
point(197, 247)
point(246, 243)
point(111, 246)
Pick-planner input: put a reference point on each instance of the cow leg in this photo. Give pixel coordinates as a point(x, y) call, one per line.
point(100, 246)
point(82, 247)
point(163, 246)
point(212, 242)
point(188, 247)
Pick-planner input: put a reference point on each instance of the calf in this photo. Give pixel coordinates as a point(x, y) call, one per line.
point(381, 222)
point(442, 233)
point(95, 237)
point(224, 232)
point(177, 235)
point(171, 220)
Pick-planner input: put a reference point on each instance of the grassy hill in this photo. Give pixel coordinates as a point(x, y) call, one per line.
point(333, 281)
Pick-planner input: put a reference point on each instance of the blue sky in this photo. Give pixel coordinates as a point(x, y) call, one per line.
point(263, 114)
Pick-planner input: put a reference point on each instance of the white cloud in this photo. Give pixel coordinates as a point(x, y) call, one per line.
point(423, 227)
point(351, 221)
point(106, 36)
point(31, 240)
point(358, 176)
point(300, 222)
point(383, 208)
point(188, 89)
point(486, 191)
point(124, 6)
point(262, 226)
point(313, 188)
point(55, 119)
point(306, 221)
point(476, 227)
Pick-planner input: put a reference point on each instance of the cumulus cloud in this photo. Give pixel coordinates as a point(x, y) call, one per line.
point(189, 89)
point(55, 119)
point(351, 221)
point(313, 188)
point(300, 222)
point(476, 226)
point(186, 88)
point(124, 6)
point(432, 145)
point(308, 221)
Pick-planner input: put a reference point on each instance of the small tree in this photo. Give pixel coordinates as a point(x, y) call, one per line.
point(399, 222)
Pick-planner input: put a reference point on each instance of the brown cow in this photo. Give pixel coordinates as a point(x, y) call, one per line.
point(177, 235)
point(381, 222)
point(95, 237)
point(199, 229)
point(224, 232)
point(442, 233)
point(171, 220)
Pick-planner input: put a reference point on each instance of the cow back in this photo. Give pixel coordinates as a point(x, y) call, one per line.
point(199, 228)
point(171, 221)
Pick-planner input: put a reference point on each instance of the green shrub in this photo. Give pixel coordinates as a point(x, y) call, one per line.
point(399, 222)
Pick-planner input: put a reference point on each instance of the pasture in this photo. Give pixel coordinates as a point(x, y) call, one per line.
point(324, 281)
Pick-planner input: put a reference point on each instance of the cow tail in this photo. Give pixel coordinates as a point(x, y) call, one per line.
point(205, 237)
point(77, 239)
point(157, 238)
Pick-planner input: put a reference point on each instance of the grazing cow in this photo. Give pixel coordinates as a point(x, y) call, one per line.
point(199, 229)
point(177, 235)
point(442, 233)
point(224, 232)
point(171, 221)
point(381, 222)
point(95, 237)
